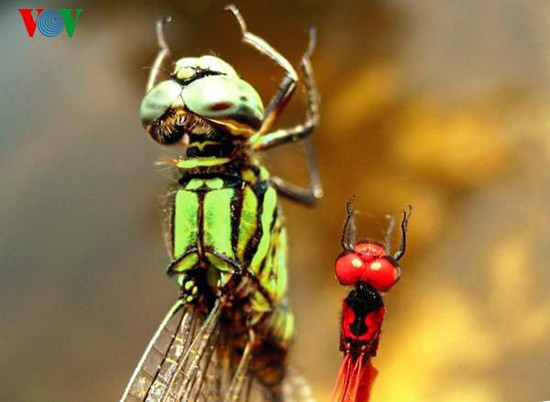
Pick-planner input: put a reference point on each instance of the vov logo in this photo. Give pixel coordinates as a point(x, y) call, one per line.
point(50, 23)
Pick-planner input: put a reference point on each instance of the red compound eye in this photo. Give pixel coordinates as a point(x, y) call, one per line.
point(349, 268)
point(369, 251)
point(381, 274)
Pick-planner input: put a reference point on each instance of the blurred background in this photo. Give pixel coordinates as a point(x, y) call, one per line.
point(442, 105)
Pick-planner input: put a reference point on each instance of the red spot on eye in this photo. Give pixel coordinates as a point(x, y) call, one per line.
point(220, 106)
point(381, 274)
point(369, 251)
point(349, 268)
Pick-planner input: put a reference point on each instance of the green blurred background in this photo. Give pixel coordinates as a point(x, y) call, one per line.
point(439, 104)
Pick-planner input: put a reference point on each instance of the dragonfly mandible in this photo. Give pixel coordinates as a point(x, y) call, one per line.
point(370, 268)
point(228, 334)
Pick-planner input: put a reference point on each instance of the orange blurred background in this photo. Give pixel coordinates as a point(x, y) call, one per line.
point(442, 105)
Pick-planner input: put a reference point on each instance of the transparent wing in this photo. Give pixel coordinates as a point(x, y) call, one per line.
point(190, 359)
point(355, 379)
point(159, 361)
point(210, 369)
point(193, 369)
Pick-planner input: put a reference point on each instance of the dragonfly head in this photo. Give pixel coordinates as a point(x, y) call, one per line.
point(366, 262)
point(204, 96)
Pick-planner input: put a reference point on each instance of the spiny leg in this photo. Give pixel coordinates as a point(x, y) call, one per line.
point(300, 132)
point(276, 106)
point(164, 51)
point(404, 224)
point(287, 85)
point(312, 119)
point(347, 240)
point(305, 195)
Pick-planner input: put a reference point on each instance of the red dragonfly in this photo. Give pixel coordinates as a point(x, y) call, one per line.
point(371, 269)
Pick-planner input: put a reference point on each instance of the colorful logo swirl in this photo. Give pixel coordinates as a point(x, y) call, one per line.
point(50, 23)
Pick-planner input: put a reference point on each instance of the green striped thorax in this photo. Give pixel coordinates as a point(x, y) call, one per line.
point(208, 102)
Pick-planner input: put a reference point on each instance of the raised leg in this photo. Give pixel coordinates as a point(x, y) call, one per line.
point(287, 85)
point(164, 51)
point(304, 130)
point(300, 132)
point(348, 233)
point(263, 140)
point(403, 243)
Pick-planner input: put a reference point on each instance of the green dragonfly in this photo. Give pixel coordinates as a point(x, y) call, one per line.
point(227, 336)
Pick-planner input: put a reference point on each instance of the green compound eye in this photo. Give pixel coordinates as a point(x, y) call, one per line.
point(223, 98)
point(158, 100)
point(188, 66)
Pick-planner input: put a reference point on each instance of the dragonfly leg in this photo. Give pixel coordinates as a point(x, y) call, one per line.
point(164, 51)
point(300, 132)
point(348, 238)
point(403, 243)
point(287, 85)
point(304, 130)
point(305, 195)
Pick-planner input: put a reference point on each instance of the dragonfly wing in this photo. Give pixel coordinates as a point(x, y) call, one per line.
point(342, 380)
point(366, 379)
point(158, 363)
point(189, 359)
point(355, 379)
point(192, 369)
point(209, 371)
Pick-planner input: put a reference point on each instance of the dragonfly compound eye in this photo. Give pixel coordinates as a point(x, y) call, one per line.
point(163, 96)
point(349, 268)
point(369, 251)
point(226, 101)
point(381, 274)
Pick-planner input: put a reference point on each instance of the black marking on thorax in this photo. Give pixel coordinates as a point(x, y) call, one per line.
point(363, 300)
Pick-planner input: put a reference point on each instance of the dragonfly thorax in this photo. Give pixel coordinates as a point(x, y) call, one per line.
point(362, 315)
